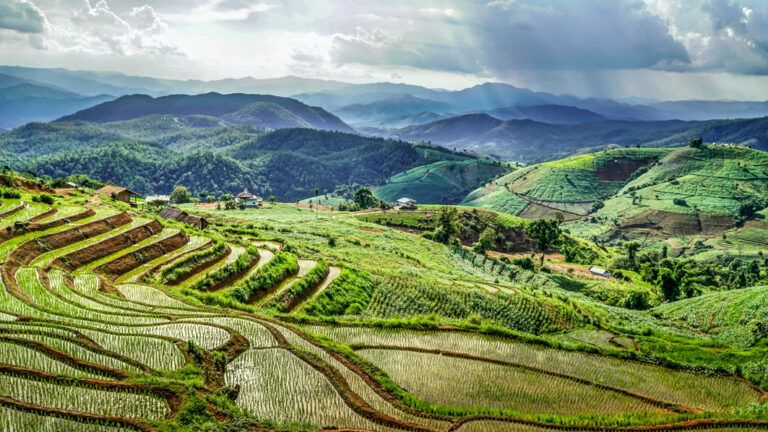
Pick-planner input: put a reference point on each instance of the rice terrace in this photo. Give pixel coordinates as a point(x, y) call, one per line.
point(382, 216)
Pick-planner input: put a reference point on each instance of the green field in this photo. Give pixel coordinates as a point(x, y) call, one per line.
point(286, 318)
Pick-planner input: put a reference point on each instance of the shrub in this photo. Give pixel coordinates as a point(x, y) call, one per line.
point(10, 193)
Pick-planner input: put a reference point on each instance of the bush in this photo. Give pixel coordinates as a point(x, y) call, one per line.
point(524, 263)
point(10, 193)
point(43, 198)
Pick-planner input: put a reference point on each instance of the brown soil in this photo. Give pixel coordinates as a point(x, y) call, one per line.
point(202, 267)
point(29, 250)
point(373, 230)
point(83, 256)
point(13, 210)
point(622, 169)
point(233, 277)
point(73, 415)
point(306, 294)
point(145, 254)
point(51, 211)
point(27, 185)
point(7, 234)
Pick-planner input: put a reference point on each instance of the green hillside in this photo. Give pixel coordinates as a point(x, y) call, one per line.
point(677, 196)
point(444, 182)
point(153, 154)
point(284, 318)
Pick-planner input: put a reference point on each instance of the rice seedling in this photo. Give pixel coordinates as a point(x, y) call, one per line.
point(162, 235)
point(57, 284)
point(83, 398)
point(30, 210)
point(206, 336)
point(45, 259)
point(464, 383)
point(88, 285)
point(277, 385)
point(358, 385)
point(148, 295)
point(29, 283)
point(133, 276)
point(258, 336)
point(158, 354)
point(77, 351)
point(13, 420)
point(19, 355)
point(709, 393)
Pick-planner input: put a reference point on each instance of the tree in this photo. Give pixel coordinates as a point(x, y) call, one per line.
point(486, 241)
point(272, 199)
point(546, 232)
point(447, 224)
point(317, 192)
point(696, 142)
point(667, 284)
point(180, 195)
point(632, 248)
point(364, 198)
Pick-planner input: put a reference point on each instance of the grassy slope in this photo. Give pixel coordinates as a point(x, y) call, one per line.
point(444, 182)
point(559, 183)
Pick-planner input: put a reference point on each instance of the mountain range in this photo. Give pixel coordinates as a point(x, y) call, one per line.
point(263, 111)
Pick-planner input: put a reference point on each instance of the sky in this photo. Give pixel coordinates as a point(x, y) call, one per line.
point(662, 49)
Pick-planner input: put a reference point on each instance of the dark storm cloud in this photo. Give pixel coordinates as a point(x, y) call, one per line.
point(500, 36)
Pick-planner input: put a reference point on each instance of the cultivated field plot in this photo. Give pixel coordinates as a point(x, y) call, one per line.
point(88, 350)
point(465, 383)
point(709, 393)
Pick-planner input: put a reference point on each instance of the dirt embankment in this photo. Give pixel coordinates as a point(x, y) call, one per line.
point(128, 262)
point(13, 210)
point(15, 230)
point(22, 183)
point(29, 250)
point(107, 247)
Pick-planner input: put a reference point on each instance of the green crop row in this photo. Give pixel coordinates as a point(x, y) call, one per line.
point(280, 267)
point(283, 301)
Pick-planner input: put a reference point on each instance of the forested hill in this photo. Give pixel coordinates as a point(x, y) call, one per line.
point(266, 111)
point(287, 163)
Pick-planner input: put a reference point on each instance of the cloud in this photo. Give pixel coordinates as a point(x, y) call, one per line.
point(220, 10)
point(719, 35)
point(97, 29)
point(21, 16)
point(504, 36)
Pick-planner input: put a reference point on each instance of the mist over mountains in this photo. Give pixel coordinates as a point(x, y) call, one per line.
point(501, 120)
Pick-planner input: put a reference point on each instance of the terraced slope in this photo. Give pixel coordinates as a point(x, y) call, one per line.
point(87, 344)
